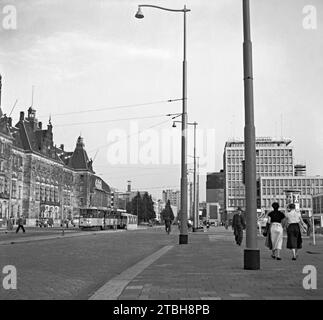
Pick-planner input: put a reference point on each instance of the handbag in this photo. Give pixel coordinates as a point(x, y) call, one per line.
point(302, 226)
point(267, 230)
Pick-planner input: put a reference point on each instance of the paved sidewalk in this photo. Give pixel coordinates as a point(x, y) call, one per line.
point(210, 267)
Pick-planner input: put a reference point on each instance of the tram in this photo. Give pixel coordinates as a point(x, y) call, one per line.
point(92, 218)
point(103, 218)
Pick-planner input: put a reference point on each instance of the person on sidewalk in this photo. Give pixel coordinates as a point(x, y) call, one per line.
point(238, 225)
point(168, 224)
point(275, 219)
point(20, 224)
point(168, 216)
point(294, 236)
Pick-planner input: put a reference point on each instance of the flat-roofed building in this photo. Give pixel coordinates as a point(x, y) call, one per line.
point(274, 158)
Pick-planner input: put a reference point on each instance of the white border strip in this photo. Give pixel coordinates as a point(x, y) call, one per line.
point(113, 288)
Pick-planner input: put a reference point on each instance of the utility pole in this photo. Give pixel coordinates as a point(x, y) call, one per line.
point(251, 253)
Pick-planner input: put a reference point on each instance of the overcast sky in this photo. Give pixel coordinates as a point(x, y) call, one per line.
point(93, 54)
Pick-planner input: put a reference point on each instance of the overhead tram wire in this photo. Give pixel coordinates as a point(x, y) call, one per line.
point(109, 120)
point(130, 135)
point(117, 107)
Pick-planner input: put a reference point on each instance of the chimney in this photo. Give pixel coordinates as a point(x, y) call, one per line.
point(22, 116)
point(40, 125)
point(62, 147)
point(10, 122)
point(129, 186)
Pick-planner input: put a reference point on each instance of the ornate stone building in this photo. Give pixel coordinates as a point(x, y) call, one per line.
point(37, 179)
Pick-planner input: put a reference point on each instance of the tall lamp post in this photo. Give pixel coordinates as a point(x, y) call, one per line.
point(195, 217)
point(183, 237)
point(251, 253)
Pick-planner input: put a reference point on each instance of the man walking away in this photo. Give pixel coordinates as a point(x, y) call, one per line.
point(20, 223)
point(238, 225)
point(168, 224)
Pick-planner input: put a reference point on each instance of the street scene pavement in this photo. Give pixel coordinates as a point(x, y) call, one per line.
point(148, 264)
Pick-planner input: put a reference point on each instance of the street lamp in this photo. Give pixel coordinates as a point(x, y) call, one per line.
point(251, 253)
point(195, 205)
point(183, 237)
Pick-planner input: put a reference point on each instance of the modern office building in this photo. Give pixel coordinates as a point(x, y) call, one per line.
point(273, 189)
point(273, 158)
point(174, 196)
point(276, 173)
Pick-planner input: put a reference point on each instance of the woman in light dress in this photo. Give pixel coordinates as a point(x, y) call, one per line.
point(275, 219)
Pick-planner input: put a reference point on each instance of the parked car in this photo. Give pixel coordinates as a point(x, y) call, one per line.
point(42, 222)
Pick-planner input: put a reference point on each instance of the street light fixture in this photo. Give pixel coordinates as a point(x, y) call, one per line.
point(183, 237)
point(139, 14)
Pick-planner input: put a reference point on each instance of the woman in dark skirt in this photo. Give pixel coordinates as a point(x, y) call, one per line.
point(294, 235)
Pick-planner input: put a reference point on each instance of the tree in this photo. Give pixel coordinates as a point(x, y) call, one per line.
point(148, 208)
point(137, 206)
point(129, 206)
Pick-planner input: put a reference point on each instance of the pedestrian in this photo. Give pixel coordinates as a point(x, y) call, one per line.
point(168, 224)
point(294, 236)
point(226, 224)
point(275, 231)
point(309, 227)
point(238, 225)
point(20, 223)
point(9, 224)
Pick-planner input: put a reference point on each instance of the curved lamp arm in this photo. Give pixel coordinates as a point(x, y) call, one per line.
point(162, 8)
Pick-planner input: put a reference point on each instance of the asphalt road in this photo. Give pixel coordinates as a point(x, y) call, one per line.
point(74, 268)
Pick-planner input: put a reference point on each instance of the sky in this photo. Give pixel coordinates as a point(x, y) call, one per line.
point(89, 55)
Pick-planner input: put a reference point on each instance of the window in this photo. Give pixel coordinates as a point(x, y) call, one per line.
point(42, 193)
point(37, 191)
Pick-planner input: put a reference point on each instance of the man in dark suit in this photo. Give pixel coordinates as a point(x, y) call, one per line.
point(20, 224)
point(238, 225)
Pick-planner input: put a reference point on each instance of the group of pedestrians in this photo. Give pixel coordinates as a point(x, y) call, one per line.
point(277, 220)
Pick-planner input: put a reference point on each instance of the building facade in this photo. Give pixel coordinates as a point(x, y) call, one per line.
point(174, 196)
point(215, 183)
point(37, 179)
point(276, 172)
point(273, 158)
point(318, 208)
point(273, 189)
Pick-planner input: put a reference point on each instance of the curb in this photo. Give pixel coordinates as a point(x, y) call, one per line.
point(58, 236)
